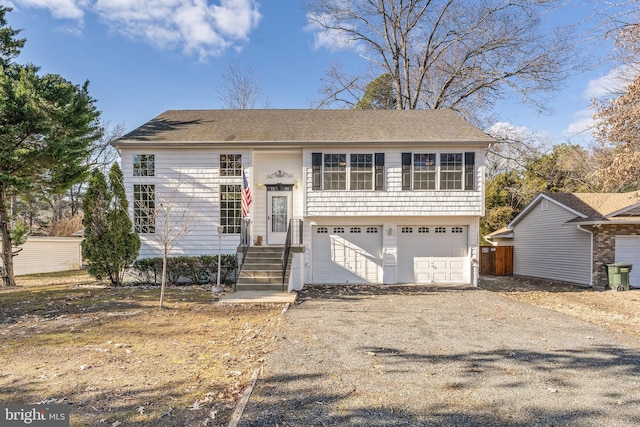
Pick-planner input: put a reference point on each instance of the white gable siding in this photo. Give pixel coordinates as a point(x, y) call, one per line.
point(190, 178)
point(545, 248)
point(393, 201)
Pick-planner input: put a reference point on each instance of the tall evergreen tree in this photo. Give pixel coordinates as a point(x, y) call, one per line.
point(47, 125)
point(110, 244)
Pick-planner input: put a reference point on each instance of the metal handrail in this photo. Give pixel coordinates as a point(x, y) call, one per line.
point(293, 223)
point(245, 243)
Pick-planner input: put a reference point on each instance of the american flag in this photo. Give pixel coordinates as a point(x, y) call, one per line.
point(246, 195)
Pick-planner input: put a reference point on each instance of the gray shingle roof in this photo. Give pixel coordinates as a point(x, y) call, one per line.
point(305, 126)
point(596, 206)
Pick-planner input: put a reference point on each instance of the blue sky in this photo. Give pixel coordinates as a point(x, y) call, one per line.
point(143, 57)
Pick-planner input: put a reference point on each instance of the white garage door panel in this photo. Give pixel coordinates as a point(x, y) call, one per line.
point(426, 256)
point(347, 254)
point(628, 250)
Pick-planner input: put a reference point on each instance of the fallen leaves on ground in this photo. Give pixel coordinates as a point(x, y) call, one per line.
point(118, 359)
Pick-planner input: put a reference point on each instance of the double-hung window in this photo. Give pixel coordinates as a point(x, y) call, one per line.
point(335, 172)
point(424, 171)
point(144, 165)
point(361, 177)
point(144, 206)
point(451, 171)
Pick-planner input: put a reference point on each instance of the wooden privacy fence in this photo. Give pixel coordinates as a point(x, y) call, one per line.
point(496, 260)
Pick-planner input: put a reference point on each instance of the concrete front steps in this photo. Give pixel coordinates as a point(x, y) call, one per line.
point(262, 270)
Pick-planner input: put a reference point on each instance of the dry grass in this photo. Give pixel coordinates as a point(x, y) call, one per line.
point(119, 360)
point(618, 311)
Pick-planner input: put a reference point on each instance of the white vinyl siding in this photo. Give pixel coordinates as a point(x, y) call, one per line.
point(190, 179)
point(545, 248)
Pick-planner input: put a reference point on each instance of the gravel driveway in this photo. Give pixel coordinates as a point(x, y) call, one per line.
point(381, 356)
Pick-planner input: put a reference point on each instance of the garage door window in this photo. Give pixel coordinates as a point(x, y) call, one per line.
point(355, 230)
point(372, 229)
point(440, 230)
point(407, 229)
point(423, 229)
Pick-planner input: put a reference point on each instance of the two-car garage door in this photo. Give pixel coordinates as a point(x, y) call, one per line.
point(425, 254)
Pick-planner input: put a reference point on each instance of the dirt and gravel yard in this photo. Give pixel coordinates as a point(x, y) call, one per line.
point(455, 356)
point(120, 361)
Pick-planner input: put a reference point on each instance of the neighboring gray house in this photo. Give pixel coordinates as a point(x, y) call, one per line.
point(571, 236)
point(379, 196)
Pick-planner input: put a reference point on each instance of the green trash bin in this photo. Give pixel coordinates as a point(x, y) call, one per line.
point(618, 275)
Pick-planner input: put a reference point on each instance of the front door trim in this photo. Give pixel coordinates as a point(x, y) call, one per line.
point(278, 237)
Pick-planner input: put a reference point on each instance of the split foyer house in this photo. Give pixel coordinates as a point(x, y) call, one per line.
point(350, 196)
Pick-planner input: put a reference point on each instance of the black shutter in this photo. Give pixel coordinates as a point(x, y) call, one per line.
point(469, 171)
point(379, 171)
point(316, 163)
point(406, 171)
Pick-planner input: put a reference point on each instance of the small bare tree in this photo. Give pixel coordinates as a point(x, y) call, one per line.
point(240, 88)
point(172, 217)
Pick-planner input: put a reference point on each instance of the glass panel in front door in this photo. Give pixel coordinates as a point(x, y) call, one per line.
point(279, 211)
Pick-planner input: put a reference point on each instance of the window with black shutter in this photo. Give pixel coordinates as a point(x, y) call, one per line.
point(379, 171)
point(316, 164)
point(406, 171)
point(469, 171)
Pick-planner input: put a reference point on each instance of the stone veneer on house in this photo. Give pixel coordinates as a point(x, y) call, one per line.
point(605, 248)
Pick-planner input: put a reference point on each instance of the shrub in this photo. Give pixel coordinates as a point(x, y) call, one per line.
point(191, 269)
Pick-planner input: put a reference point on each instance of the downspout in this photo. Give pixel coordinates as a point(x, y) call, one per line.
point(590, 252)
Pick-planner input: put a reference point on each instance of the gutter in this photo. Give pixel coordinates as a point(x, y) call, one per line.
point(591, 252)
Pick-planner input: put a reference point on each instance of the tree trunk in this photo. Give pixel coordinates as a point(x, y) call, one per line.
point(164, 276)
point(5, 234)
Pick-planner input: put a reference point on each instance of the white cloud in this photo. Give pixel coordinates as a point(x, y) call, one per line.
point(510, 132)
point(333, 40)
point(581, 125)
point(59, 9)
point(195, 26)
point(611, 84)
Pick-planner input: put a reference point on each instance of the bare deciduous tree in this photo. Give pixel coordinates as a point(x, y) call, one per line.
point(240, 88)
point(456, 54)
point(173, 216)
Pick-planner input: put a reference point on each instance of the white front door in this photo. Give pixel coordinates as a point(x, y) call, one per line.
point(278, 214)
